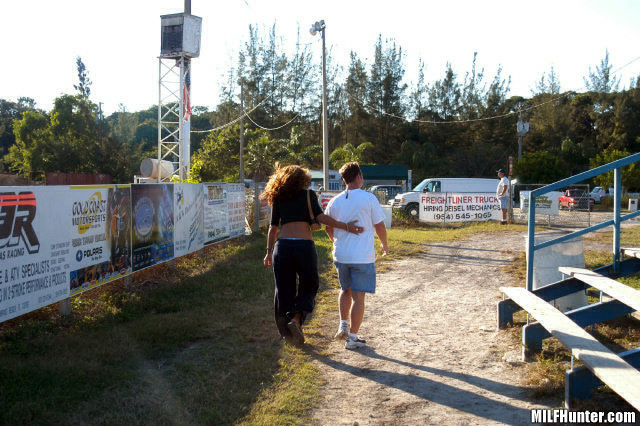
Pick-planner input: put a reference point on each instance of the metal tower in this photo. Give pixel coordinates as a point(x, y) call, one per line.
point(180, 43)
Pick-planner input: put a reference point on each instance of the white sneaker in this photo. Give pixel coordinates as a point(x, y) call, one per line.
point(343, 332)
point(352, 343)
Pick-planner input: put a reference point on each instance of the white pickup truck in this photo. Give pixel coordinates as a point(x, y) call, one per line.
point(410, 201)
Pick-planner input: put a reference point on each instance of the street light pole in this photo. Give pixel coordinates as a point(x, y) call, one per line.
point(320, 26)
point(325, 120)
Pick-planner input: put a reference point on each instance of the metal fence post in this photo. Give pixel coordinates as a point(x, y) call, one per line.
point(65, 307)
point(510, 209)
point(256, 207)
point(617, 201)
point(531, 232)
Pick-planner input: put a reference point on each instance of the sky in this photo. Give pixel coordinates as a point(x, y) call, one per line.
point(119, 41)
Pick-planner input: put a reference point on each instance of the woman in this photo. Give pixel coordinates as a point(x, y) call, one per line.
point(294, 253)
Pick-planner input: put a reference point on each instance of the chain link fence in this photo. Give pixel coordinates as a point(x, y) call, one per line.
point(578, 215)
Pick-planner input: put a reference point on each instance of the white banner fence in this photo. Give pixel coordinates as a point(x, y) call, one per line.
point(58, 241)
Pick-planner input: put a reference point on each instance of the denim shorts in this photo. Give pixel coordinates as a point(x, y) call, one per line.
point(360, 277)
point(504, 202)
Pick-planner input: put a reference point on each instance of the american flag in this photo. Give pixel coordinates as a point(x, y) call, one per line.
point(186, 95)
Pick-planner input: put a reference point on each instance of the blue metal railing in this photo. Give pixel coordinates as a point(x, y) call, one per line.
point(616, 166)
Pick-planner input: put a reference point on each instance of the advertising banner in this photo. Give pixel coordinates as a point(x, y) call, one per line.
point(35, 248)
point(325, 197)
point(235, 209)
point(545, 203)
point(460, 207)
point(187, 207)
point(100, 234)
point(152, 224)
point(216, 212)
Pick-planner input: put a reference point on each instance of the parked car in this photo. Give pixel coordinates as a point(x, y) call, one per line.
point(597, 194)
point(576, 199)
point(386, 193)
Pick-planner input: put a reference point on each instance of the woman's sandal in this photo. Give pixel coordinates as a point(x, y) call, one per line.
point(296, 333)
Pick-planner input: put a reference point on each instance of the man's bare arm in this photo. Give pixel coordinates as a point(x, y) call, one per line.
point(381, 231)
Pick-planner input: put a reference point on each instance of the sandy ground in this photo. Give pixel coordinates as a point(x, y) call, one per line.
point(434, 355)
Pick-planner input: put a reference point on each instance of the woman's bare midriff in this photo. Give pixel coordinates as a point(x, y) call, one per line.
point(295, 230)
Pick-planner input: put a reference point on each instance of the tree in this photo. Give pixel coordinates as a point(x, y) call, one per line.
point(218, 159)
point(347, 153)
point(539, 167)
point(84, 83)
point(295, 150)
point(547, 84)
point(69, 140)
point(261, 153)
point(386, 93)
point(630, 174)
point(10, 111)
point(602, 79)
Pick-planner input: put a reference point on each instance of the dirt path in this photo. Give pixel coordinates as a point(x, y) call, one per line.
point(434, 355)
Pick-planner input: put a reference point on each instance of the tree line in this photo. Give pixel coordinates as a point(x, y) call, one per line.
point(463, 124)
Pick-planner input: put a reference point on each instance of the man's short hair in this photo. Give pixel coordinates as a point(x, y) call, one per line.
point(350, 171)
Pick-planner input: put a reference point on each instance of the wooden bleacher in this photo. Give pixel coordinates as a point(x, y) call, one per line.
point(625, 294)
point(612, 370)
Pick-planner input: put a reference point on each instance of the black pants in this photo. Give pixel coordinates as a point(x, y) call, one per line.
point(294, 259)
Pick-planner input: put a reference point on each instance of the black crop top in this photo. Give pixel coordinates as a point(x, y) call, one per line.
point(295, 209)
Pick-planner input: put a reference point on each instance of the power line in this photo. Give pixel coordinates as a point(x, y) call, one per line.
point(275, 128)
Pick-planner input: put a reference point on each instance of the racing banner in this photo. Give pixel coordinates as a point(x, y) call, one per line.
point(100, 235)
point(187, 207)
point(152, 224)
point(216, 212)
point(34, 248)
point(235, 209)
point(545, 203)
point(459, 207)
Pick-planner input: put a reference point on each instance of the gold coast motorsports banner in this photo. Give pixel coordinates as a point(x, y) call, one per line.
point(152, 224)
point(100, 235)
point(187, 207)
point(463, 207)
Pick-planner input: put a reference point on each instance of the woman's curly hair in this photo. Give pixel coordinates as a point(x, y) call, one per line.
point(285, 183)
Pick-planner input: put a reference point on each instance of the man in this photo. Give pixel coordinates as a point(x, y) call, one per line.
point(354, 255)
point(503, 194)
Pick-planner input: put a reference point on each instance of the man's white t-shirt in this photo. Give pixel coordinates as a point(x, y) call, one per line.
point(364, 207)
point(503, 182)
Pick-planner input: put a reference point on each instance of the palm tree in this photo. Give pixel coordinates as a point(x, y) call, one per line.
point(295, 151)
point(348, 153)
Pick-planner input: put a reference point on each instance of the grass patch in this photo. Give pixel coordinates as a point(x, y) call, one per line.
point(196, 344)
point(193, 347)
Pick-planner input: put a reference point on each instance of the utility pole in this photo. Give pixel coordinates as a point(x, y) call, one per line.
point(187, 7)
point(320, 26)
point(241, 134)
point(523, 128)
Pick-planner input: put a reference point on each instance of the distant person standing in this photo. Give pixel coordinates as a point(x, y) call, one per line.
point(503, 194)
point(354, 254)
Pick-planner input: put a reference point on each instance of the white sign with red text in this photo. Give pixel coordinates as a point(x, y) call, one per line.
point(459, 207)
